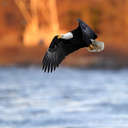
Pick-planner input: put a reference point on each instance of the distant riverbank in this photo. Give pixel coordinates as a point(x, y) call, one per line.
point(27, 56)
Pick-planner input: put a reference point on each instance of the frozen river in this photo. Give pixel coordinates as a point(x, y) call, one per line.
point(67, 98)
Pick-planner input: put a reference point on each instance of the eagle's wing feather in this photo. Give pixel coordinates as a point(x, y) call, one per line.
point(57, 52)
point(53, 57)
point(86, 30)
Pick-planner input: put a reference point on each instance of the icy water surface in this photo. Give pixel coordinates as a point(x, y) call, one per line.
point(68, 98)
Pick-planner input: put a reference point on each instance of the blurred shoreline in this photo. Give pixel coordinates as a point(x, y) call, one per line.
point(22, 56)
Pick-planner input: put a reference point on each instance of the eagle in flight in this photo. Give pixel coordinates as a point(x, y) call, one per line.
point(64, 44)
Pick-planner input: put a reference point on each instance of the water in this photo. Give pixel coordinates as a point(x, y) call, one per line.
point(68, 98)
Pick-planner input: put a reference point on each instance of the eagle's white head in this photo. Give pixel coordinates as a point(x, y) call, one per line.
point(96, 46)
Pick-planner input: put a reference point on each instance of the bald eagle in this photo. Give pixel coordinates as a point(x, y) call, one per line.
point(64, 44)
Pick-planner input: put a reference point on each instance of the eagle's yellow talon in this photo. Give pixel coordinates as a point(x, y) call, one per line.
point(91, 47)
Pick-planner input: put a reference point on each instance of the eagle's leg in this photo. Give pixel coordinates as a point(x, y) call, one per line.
point(91, 47)
point(95, 46)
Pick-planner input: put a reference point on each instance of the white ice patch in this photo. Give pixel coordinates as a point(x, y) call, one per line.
point(67, 36)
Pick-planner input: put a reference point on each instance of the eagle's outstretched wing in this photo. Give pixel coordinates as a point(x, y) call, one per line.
point(86, 30)
point(57, 51)
point(54, 55)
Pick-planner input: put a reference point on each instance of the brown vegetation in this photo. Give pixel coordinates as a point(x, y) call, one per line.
point(34, 23)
